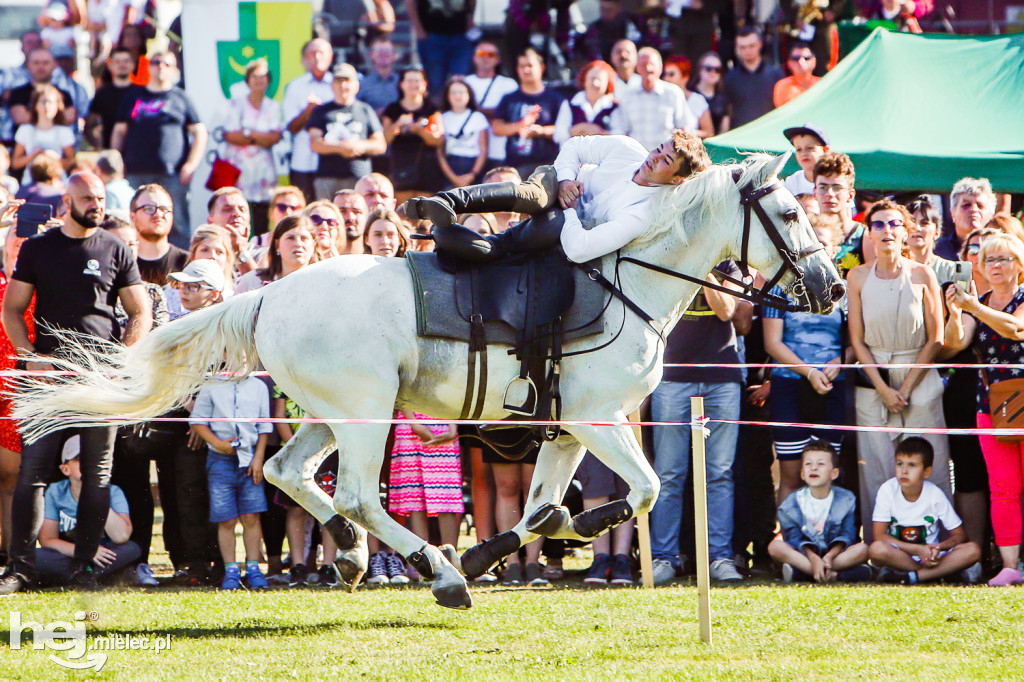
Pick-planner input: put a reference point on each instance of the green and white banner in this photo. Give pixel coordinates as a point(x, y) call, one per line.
point(220, 38)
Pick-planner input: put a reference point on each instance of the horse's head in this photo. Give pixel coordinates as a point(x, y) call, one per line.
point(777, 239)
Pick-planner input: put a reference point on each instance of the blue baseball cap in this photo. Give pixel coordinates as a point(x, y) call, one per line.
point(807, 129)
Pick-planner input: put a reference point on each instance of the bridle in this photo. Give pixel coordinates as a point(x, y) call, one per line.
point(751, 201)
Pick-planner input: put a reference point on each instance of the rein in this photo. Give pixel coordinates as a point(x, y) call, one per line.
point(751, 200)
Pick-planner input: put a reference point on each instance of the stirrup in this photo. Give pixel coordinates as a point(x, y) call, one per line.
point(531, 398)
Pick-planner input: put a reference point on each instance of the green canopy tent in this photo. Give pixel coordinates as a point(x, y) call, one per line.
point(914, 112)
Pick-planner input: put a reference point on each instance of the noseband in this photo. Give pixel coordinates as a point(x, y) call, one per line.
point(751, 200)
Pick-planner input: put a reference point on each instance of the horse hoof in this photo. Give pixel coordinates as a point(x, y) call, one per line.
point(548, 520)
point(343, 532)
point(352, 564)
point(452, 555)
point(449, 589)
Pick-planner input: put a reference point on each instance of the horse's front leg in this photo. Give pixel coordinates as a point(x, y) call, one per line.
point(618, 449)
point(556, 463)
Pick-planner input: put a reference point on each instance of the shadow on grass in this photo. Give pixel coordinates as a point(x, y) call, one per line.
point(251, 631)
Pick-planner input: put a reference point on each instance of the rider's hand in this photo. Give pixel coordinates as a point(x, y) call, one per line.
point(569, 192)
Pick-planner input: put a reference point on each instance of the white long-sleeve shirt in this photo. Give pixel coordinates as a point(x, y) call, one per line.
point(614, 208)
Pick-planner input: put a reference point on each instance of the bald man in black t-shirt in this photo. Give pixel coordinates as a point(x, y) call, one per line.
point(77, 273)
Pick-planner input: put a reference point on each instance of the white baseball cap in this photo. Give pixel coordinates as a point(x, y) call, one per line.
point(72, 448)
point(203, 270)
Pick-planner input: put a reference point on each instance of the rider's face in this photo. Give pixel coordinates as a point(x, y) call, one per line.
point(661, 165)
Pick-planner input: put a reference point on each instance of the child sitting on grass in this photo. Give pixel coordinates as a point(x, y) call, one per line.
point(908, 511)
point(234, 469)
point(819, 531)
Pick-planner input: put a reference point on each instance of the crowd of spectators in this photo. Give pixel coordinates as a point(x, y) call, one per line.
point(359, 144)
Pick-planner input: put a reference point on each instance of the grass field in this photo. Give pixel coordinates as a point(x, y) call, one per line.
point(765, 631)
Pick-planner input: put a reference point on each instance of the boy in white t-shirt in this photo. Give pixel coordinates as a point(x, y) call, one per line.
point(819, 524)
point(908, 511)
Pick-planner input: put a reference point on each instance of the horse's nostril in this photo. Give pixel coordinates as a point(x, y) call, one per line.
point(838, 290)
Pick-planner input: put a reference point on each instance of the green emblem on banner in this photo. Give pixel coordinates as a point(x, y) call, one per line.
point(234, 55)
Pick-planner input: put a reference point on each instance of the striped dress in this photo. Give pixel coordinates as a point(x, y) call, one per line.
point(424, 477)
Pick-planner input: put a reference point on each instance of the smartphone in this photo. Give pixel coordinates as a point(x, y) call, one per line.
point(962, 274)
point(31, 217)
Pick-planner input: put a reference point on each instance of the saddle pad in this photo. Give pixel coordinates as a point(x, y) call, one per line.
point(438, 316)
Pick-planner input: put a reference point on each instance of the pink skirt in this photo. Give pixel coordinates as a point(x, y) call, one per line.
point(425, 478)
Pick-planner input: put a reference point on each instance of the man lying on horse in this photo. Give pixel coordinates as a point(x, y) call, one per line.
point(603, 183)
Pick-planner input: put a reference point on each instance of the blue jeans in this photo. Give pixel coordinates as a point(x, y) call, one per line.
point(670, 402)
point(444, 56)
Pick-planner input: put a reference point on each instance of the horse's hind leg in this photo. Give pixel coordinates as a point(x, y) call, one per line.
point(292, 470)
point(360, 456)
point(542, 515)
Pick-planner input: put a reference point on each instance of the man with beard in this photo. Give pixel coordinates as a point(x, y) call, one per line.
point(229, 209)
point(76, 273)
point(353, 218)
point(152, 214)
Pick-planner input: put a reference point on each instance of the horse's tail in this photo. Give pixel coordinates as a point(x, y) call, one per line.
point(142, 381)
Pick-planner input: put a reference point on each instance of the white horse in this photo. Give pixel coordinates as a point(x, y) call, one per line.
point(340, 339)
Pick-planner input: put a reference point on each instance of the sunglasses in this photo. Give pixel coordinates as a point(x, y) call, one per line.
point(160, 62)
point(152, 209)
point(712, 69)
point(320, 220)
point(973, 249)
point(879, 225)
point(196, 287)
point(802, 58)
point(287, 208)
point(486, 53)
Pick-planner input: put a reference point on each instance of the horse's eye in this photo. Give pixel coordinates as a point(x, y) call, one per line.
point(791, 215)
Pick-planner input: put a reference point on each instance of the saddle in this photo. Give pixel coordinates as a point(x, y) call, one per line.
point(533, 302)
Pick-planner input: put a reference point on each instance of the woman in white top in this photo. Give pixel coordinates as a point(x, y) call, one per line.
point(895, 317)
point(592, 109)
point(252, 128)
point(43, 134)
point(463, 152)
point(677, 71)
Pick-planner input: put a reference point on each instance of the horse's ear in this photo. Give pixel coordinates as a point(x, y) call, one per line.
point(775, 166)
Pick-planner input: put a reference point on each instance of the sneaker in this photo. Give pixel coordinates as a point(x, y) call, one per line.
point(277, 579)
point(599, 570)
point(857, 574)
point(535, 576)
point(487, 577)
point(11, 582)
point(255, 579)
point(144, 575)
point(328, 576)
point(554, 571)
point(513, 575)
point(891, 576)
point(787, 573)
point(663, 571)
point(397, 572)
point(84, 579)
point(297, 576)
point(378, 570)
point(972, 574)
point(724, 570)
point(1005, 578)
point(232, 578)
point(622, 572)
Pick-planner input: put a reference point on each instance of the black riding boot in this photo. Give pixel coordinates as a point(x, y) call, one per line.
point(539, 232)
point(538, 193)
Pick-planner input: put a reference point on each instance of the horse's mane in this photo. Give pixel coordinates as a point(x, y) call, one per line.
point(709, 189)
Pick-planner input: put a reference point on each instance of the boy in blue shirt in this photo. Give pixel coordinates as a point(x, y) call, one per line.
point(234, 469)
point(56, 556)
point(819, 527)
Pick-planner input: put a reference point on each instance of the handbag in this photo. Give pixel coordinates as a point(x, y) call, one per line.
point(1006, 405)
point(223, 173)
